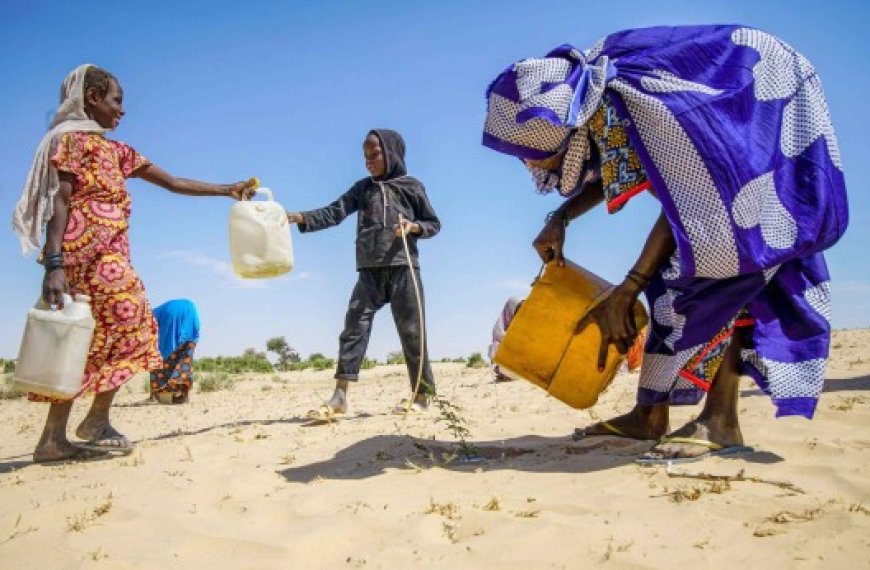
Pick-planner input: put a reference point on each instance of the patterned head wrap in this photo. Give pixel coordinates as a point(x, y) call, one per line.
point(539, 107)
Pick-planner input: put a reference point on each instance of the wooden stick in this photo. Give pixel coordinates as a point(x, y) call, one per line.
point(739, 477)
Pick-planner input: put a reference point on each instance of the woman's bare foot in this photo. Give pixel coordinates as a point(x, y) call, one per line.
point(710, 434)
point(642, 422)
point(718, 426)
point(54, 451)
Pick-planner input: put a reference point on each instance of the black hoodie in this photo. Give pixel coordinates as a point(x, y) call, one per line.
point(379, 203)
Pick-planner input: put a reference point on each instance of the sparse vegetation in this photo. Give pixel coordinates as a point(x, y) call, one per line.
point(395, 358)
point(287, 355)
point(8, 391)
point(320, 362)
point(316, 361)
point(249, 362)
point(476, 360)
point(215, 381)
point(447, 510)
point(492, 505)
point(77, 523)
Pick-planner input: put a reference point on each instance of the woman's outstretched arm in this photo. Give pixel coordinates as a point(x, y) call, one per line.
point(156, 175)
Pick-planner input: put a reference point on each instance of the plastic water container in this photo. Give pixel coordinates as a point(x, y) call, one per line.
point(260, 241)
point(54, 349)
point(542, 344)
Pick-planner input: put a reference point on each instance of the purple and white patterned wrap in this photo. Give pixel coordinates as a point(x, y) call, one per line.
point(733, 130)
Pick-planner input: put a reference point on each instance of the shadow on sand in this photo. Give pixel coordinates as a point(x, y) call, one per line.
point(536, 454)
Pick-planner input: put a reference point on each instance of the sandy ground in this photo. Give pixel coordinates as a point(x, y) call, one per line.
point(236, 479)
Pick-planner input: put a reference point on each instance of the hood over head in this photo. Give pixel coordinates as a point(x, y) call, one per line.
point(394, 153)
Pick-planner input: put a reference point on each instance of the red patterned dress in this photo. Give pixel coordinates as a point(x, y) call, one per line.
point(97, 259)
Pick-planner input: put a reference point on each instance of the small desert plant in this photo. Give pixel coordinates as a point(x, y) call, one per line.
point(215, 381)
point(476, 361)
point(451, 415)
point(368, 363)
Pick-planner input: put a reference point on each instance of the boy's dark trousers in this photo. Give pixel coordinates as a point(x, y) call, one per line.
point(376, 287)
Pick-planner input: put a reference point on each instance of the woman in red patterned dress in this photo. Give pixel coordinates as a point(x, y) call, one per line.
point(79, 194)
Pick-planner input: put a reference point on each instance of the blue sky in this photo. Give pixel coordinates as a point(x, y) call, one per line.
point(223, 90)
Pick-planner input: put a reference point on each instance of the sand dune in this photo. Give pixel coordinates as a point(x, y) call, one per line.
point(236, 479)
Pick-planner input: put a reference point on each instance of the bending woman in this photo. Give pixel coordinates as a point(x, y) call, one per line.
point(178, 333)
point(728, 128)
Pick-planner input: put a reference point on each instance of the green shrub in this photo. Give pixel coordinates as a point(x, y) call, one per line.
point(320, 362)
point(396, 358)
point(8, 366)
point(214, 381)
point(476, 361)
point(234, 364)
point(368, 363)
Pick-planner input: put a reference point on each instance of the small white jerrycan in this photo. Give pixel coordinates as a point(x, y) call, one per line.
point(54, 350)
point(260, 241)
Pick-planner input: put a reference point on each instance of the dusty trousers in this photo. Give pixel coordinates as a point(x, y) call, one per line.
point(376, 287)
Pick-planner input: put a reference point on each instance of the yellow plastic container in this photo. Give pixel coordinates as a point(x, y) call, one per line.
point(541, 344)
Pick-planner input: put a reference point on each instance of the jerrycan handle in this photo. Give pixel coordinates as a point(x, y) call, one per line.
point(265, 192)
point(43, 305)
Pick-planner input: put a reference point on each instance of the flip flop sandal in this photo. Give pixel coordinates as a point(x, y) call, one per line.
point(324, 413)
point(109, 441)
point(714, 450)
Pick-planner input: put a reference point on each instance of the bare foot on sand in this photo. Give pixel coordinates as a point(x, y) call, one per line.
point(710, 435)
point(643, 422)
point(56, 451)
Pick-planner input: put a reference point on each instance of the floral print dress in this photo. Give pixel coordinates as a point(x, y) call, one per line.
point(97, 259)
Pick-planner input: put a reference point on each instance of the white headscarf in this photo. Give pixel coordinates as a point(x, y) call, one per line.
point(36, 205)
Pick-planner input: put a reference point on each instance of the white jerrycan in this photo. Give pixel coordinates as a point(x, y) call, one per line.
point(54, 349)
point(260, 241)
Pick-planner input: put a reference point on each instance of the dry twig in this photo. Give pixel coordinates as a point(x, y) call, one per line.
point(740, 476)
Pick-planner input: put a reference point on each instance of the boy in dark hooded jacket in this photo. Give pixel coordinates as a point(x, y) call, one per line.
point(389, 202)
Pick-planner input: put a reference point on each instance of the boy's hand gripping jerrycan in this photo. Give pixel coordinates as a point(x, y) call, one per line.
point(260, 241)
point(54, 349)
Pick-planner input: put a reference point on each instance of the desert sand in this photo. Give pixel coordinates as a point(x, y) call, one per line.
point(237, 479)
